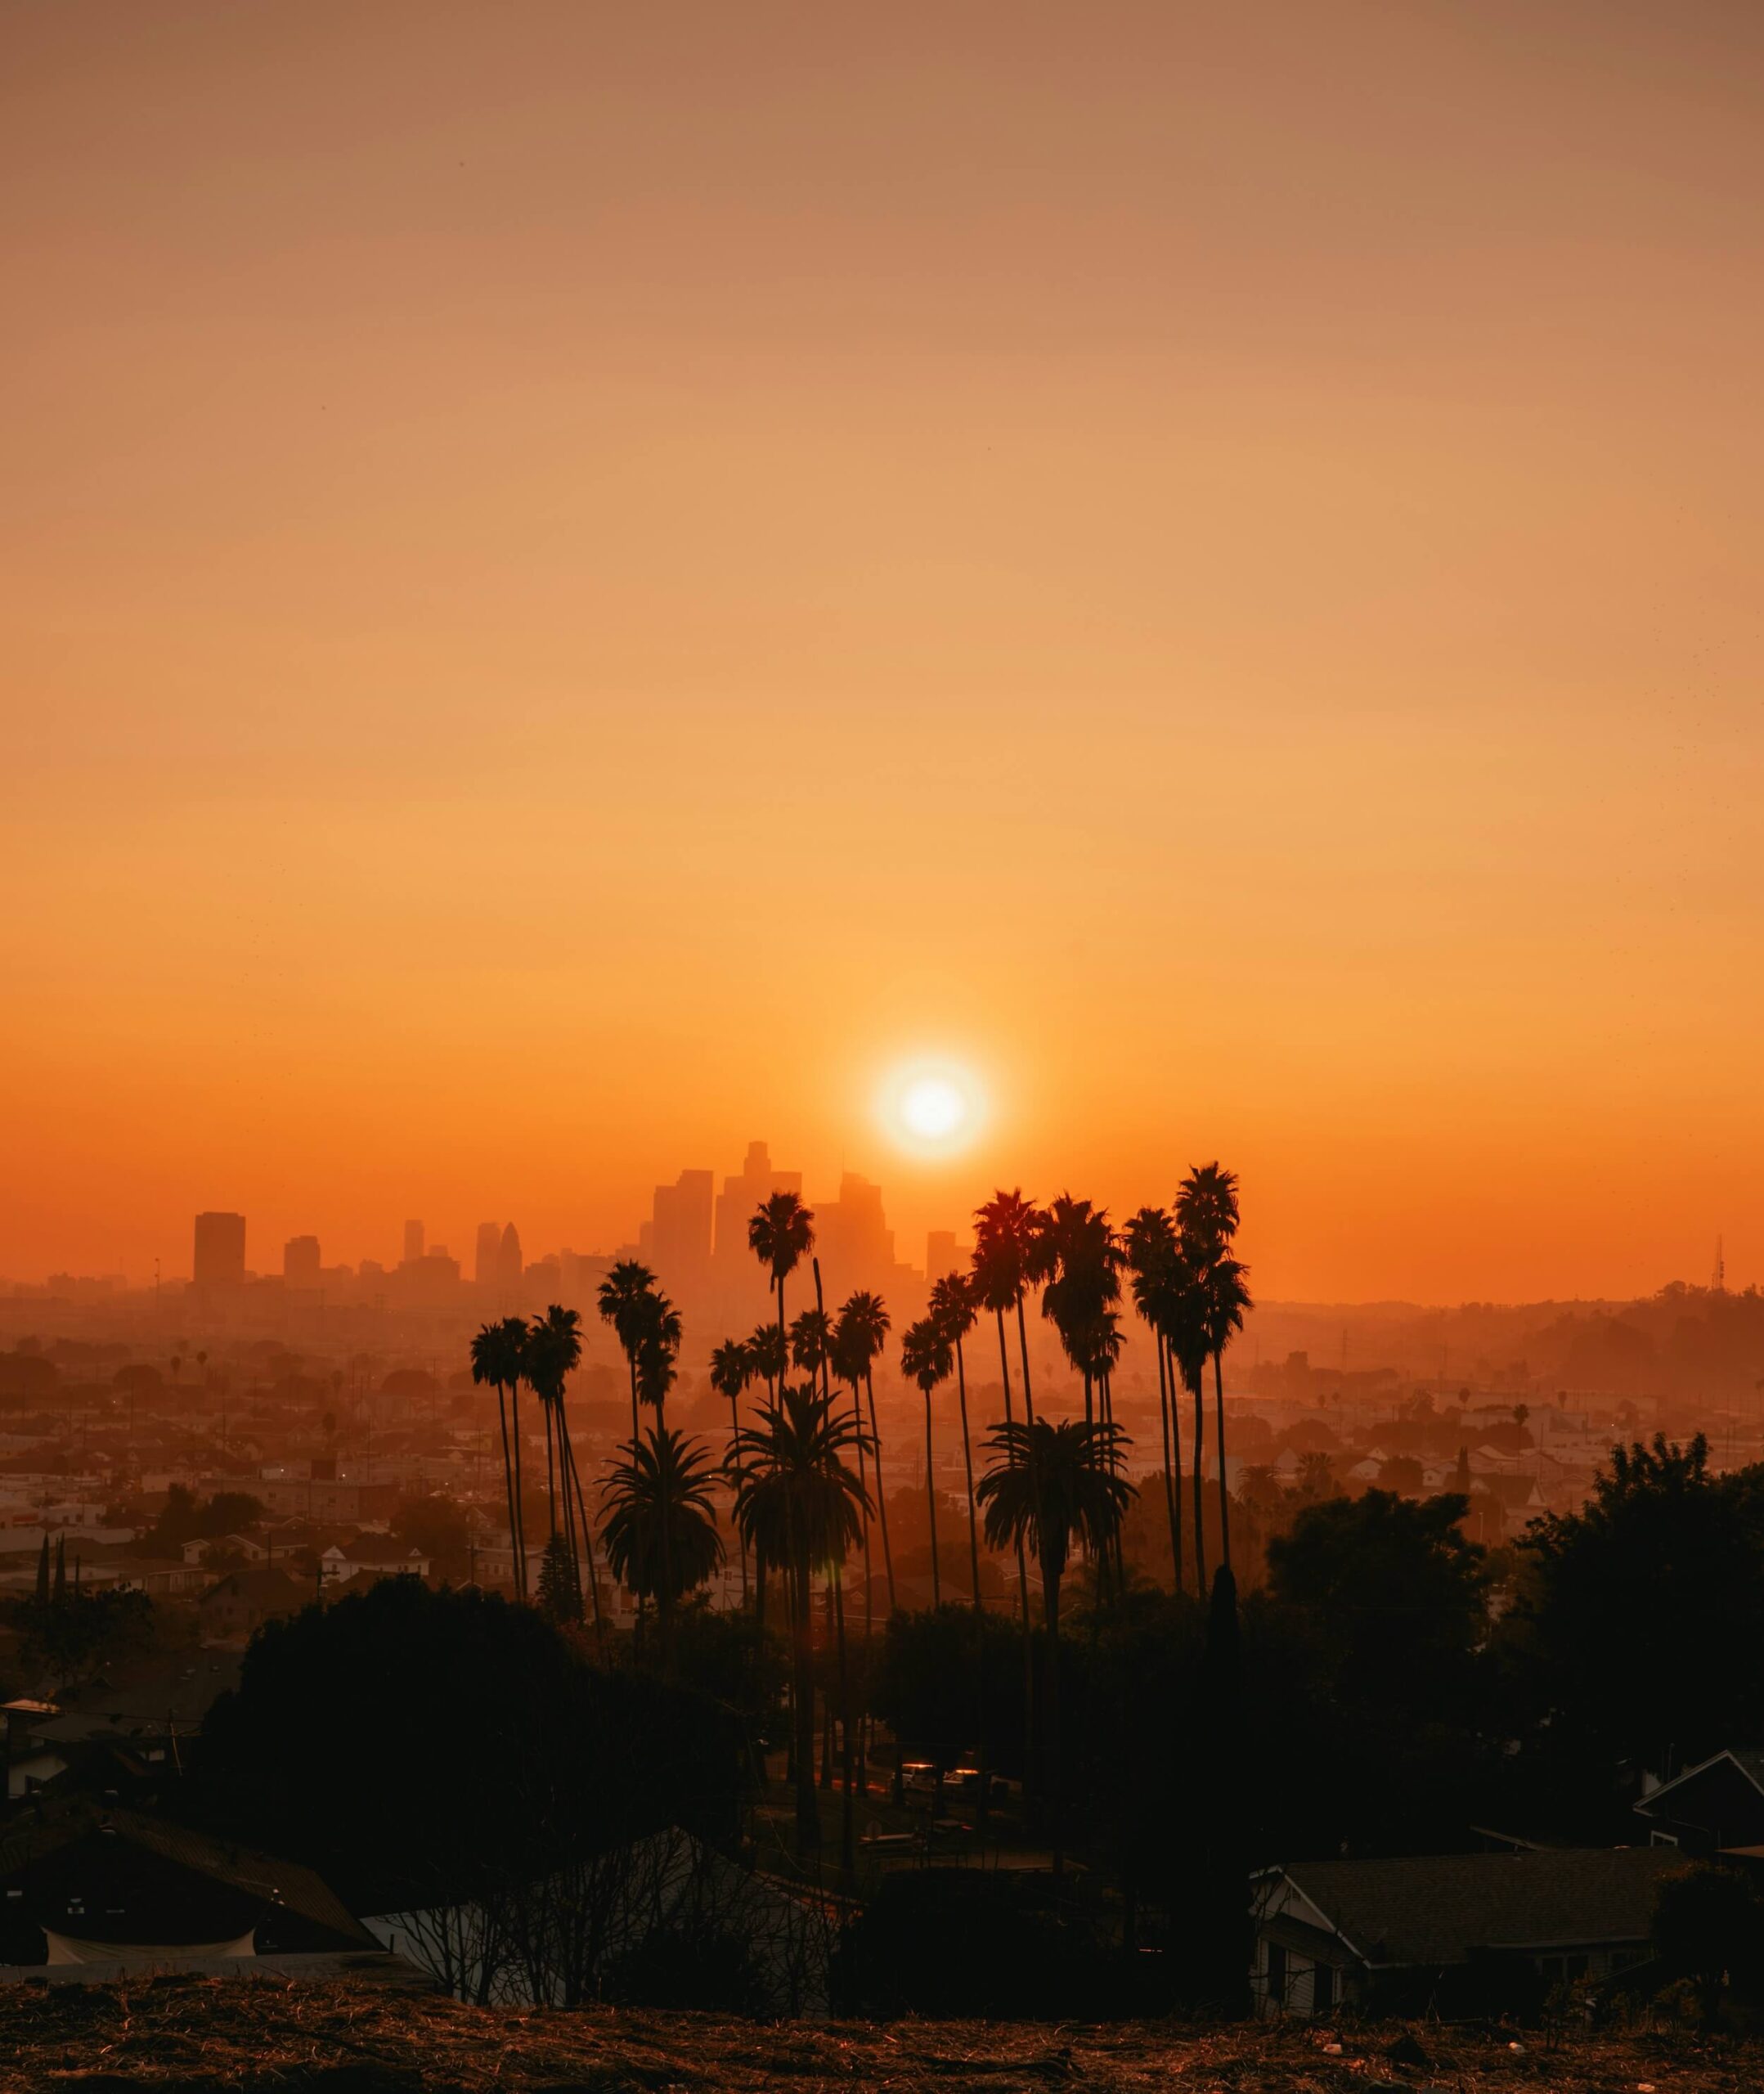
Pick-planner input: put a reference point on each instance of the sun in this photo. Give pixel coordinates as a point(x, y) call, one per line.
point(931, 1107)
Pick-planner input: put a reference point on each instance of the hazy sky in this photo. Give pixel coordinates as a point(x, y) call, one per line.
point(580, 580)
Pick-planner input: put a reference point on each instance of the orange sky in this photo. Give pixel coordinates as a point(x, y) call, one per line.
point(578, 579)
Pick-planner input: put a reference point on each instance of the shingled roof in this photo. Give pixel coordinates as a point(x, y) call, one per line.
point(1434, 1909)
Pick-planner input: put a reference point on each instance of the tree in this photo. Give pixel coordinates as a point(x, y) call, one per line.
point(1052, 1485)
point(798, 1504)
point(498, 1357)
point(780, 1235)
point(1078, 1261)
point(953, 1313)
point(554, 1350)
point(732, 1372)
point(1153, 1258)
point(436, 1527)
point(1206, 1217)
point(624, 1300)
point(927, 1357)
point(661, 1534)
point(770, 1355)
point(858, 1338)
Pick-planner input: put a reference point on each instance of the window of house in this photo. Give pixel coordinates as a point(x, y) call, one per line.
point(1322, 1988)
point(1277, 1973)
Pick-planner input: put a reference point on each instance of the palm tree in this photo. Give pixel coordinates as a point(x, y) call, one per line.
point(661, 1532)
point(554, 1350)
point(780, 1235)
point(799, 1505)
point(860, 1335)
point(623, 1299)
point(1052, 1485)
point(497, 1357)
point(1207, 1215)
point(771, 1356)
point(1152, 1256)
point(1077, 1259)
point(1005, 1230)
point(926, 1357)
point(812, 1341)
point(732, 1370)
point(952, 1311)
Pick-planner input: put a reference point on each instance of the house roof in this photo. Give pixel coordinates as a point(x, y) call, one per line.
point(1748, 1759)
point(1432, 1909)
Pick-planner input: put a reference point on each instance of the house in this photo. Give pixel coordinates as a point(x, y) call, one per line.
point(244, 1600)
point(1715, 1807)
point(1451, 1934)
point(241, 1546)
point(149, 1704)
point(339, 1564)
point(92, 1891)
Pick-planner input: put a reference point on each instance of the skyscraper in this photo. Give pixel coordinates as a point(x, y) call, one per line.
point(220, 1249)
point(740, 1196)
point(413, 1242)
point(487, 1261)
point(300, 1261)
point(678, 1241)
point(509, 1262)
point(941, 1256)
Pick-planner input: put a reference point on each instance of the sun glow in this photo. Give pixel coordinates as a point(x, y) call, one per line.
point(933, 1107)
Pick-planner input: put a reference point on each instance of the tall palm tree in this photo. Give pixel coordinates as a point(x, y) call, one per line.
point(732, 1370)
point(1207, 1215)
point(498, 1354)
point(1005, 1230)
point(811, 1343)
point(927, 1357)
point(660, 1529)
point(953, 1310)
point(861, 1335)
point(1051, 1485)
point(771, 1356)
point(799, 1505)
point(624, 1300)
point(553, 1351)
point(1077, 1259)
point(1150, 1240)
point(780, 1235)
point(849, 1360)
point(1185, 1314)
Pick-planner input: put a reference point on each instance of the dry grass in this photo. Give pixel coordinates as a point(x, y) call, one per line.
point(297, 2039)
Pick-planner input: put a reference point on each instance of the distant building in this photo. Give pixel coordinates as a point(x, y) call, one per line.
point(220, 1249)
point(852, 1239)
point(300, 1261)
point(677, 1241)
point(413, 1242)
point(509, 1261)
point(740, 1196)
point(487, 1262)
point(941, 1256)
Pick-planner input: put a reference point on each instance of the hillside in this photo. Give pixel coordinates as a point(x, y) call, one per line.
point(202, 2034)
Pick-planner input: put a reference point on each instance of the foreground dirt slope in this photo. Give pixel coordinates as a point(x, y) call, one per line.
point(343, 2039)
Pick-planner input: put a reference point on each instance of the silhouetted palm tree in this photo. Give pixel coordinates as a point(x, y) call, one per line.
point(771, 1356)
point(953, 1310)
point(497, 1357)
point(799, 1505)
point(554, 1350)
point(1052, 1485)
point(861, 1334)
point(927, 1357)
point(1207, 1215)
point(732, 1370)
point(1077, 1259)
point(661, 1532)
point(780, 1235)
point(811, 1339)
point(624, 1302)
point(1150, 1238)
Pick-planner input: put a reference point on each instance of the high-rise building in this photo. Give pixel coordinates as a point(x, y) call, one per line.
point(300, 1261)
point(220, 1249)
point(509, 1261)
point(677, 1242)
point(413, 1242)
point(941, 1256)
point(852, 1238)
point(487, 1260)
point(740, 1196)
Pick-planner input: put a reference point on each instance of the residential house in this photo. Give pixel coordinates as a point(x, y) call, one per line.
point(1450, 1934)
point(1714, 1807)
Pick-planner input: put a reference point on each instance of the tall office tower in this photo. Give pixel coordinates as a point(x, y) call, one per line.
point(739, 1196)
point(300, 1261)
point(487, 1261)
point(679, 1238)
point(509, 1261)
point(220, 1253)
point(941, 1256)
point(854, 1241)
point(413, 1242)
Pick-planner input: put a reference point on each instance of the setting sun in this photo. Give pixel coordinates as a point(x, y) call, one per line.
point(932, 1107)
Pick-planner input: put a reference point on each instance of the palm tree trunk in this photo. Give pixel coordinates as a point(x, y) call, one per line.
point(1175, 1459)
point(827, 1702)
point(1199, 1393)
point(1022, 1342)
point(979, 1619)
point(848, 1851)
point(1022, 1596)
point(930, 1506)
point(1169, 1488)
point(734, 1442)
point(508, 1483)
point(967, 1467)
point(881, 1498)
point(869, 1610)
point(636, 1434)
point(1224, 1495)
point(520, 1509)
point(551, 1480)
point(1050, 1604)
point(593, 1587)
point(808, 1810)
